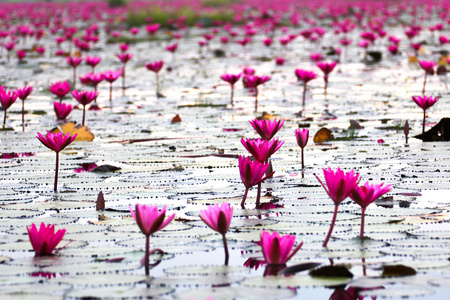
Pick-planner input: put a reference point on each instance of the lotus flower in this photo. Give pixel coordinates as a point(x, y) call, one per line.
point(44, 240)
point(150, 220)
point(231, 79)
point(218, 218)
point(84, 98)
point(74, 62)
point(302, 136)
point(156, 67)
point(62, 110)
point(111, 76)
point(23, 94)
point(428, 67)
point(56, 142)
point(60, 89)
point(7, 99)
point(93, 61)
point(124, 58)
point(261, 149)
point(327, 68)
point(305, 76)
point(425, 103)
point(277, 250)
point(340, 185)
point(365, 195)
point(266, 128)
point(253, 81)
point(252, 173)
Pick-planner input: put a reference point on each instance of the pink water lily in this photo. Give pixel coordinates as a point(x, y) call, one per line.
point(111, 76)
point(305, 76)
point(253, 81)
point(339, 186)
point(60, 89)
point(44, 240)
point(365, 195)
point(124, 58)
point(84, 98)
point(74, 62)
point(156, 67)
point(23, 94)
point(231, 79)
point(56, 142)
point(93, 61)
point(302, 135)
point(7, 99)
point(428, 67)
point(266, 128)
point(150, 220)
point(252, 173)
point(219, 218)
point(277, 250)
point(261, 149)
point(425, 102)
point(62, 110)
point(327, 68)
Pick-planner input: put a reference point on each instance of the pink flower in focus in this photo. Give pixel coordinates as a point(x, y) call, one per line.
point(150, 219)
point(218, 218)
point(266, 128)
point(260, 149)
point(56, 141)
point(302, 135)
point(24, 92)
point(251, 172)
point(368, 193)
point(84, 97)
point(277, 250)
point(339, 184)
point(44, 240)
point(425, 102)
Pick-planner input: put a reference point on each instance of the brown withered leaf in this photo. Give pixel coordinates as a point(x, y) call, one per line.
point(397, 271)
point(176, 119)
point(100, 204)
point(83, 133)
point(324, 134)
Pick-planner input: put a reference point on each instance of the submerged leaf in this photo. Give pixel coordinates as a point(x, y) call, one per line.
point(331, 271)
point(298, 268)
point(397, 271)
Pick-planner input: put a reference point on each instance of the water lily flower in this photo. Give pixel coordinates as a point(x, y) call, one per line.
point(95, 79)
point(156, 67)
point(218, 218)
point(124, 47)
point(84, 98)
point(60, 89)
point(74, 62)
point(277, 250)
point(305, 76)
point(425, 102)
point(7, 99)
point(23, 94)
point(124, 58)
point(44, 240)
point(327, 68)
point(252, 173)
point(339, 186)
point(253, 81)
point(56, 142)
point(93, 61)
point(231, 79)
point(260, 149)
point(111, 76)
point(21, 54)
point(62, 110)
point(266, 128)
point(302, 136)
point(428, 67)
point(365, 195)
point(150, 220)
